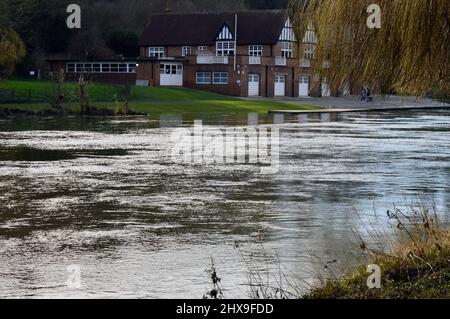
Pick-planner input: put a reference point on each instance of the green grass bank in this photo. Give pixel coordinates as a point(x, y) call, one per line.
point(37, 95)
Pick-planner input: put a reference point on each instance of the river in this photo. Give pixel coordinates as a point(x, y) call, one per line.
point(104, 194)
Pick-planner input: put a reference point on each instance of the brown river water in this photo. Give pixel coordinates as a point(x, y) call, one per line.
point(104, 194)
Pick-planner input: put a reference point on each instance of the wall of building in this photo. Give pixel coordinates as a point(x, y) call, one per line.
point(110, 78)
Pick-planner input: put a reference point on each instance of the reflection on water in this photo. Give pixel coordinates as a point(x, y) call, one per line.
point(104, 194)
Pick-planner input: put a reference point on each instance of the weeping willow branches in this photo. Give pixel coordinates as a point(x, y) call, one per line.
point(12, 51)
point(409, 54)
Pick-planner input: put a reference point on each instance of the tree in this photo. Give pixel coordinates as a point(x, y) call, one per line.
point(12, 51)
point(409, 54)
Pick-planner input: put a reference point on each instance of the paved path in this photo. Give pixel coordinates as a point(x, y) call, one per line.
point(350, 103)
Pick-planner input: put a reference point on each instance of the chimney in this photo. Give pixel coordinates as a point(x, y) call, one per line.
point(168, 7)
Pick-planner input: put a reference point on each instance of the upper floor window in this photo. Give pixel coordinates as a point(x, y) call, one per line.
point(156, 52)
point(309, 51)
point(287, 50)
point(186, 51)
point(225, 48)
point(255, 50)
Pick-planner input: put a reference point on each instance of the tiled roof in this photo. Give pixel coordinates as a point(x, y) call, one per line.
point(254, 27)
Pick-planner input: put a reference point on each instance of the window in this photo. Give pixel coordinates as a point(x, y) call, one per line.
point(132, 68)
point(101, 68)
point(280, 78)
point(225, 48)
point(114, 68)
point(79, 68)
point(287, 50)
point(255, 50)
point(309, 51)
point(203, 77)
point(171, 69)
point(123, 68)
point(106, 68)
point(156, 52)
point(220, 77)
point(203, 49)
point(186, 51)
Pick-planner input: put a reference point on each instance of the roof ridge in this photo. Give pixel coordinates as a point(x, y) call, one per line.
point(273, 11)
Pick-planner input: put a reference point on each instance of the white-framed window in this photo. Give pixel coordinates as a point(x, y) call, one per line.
point(280, 78)
point(132, 68)
point(202, 49)
point(171, 69)
point(225, 48)
point(287, 50)
point(101, 67)
point(186, 51)
point(156, 52)
point(106, 67)
point(255, 50)
point(220, 78)
point(70, 68)
point(309, 51)
point(123, 68)
point(203, 78)
point(114, 68)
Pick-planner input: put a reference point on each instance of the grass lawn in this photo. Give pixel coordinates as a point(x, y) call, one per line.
point(36, 95)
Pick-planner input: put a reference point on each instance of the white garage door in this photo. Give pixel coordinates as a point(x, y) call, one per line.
point(171, 74)
point(304, 86)
point(280, 85)
point(253, 85)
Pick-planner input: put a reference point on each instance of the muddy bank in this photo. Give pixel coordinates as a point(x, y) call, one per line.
point(7, 113)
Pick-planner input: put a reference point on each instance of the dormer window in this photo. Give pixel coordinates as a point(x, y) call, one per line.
point(309, 51)
point(225, 42)
point(287, 50)
point(225, 48)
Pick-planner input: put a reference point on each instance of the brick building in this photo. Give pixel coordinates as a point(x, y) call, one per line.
point(253, 53)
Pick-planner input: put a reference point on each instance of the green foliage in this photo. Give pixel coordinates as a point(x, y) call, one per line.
point(124, 41)
point(12, 51)
point(108, 27)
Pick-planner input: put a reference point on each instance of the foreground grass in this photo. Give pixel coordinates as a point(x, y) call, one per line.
point(143, 99)
point(418, 267)
point(41, 92)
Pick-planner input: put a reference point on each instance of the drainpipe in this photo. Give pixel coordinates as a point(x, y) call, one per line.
point(267, 71)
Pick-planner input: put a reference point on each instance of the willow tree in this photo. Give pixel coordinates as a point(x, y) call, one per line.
point(12, 51)
point(408, 54)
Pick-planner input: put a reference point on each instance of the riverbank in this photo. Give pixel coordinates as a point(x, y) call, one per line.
point(379, 102)
point(418, 266)
point(36, 96)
